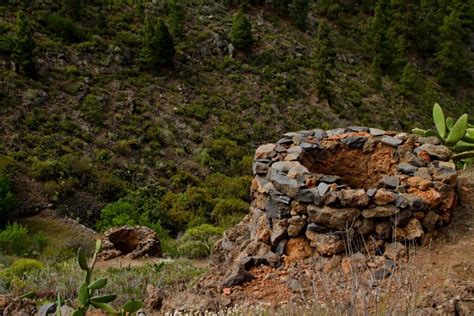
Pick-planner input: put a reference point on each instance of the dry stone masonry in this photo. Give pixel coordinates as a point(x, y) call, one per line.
point(359, 187)
point(131, 242)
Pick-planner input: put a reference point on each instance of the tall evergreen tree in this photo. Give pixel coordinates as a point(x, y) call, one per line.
point(323, 59)
point(298, 11)
point(241, 31)
point(176, 16)
point(22, 54)
point(376, 39)
point(158, 45)
point(451, 56)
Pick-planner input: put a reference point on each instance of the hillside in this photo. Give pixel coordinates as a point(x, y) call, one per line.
point(94, 125)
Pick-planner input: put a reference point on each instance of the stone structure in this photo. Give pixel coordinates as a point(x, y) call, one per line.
point(330, 198)
point(132, 242)
point(352, 186)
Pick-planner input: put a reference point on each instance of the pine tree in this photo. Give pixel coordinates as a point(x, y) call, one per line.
point(376, 41)
point(451, 55)
point(410, 81)
point(176, 16)
point(22, 54)
point(241, 31)
point(158, 45)
point(298, 10)
point(323, 59)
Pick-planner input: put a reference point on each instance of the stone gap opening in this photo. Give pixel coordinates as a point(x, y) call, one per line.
point(124, 241)
point(359, 170)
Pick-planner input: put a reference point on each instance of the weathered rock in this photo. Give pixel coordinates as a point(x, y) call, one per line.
point(380, 211)
point(412, 202)
point(279, 231)
point(289, 187)
point(130, 241)
point(419, 183)
point(336, 131)
point(390, 182)
point(362, 129)
point(260, 167)
point(395, 250)
point(277, 205)
point(429, 140)
point(407, 168)
point(431, 221)
point(297, 249)
point(264, 151)
point(20, 307)
point(371, 192)
point(293, 153)
point(154, 298)
point(376, 132)
point(430, 196)
point(238, 276)
point(384, 197)
point(323, 189)
point(437, 151)
point(424, 173)
point(403, 217)
point(391, 141)
point(383, 229)
point(47, 309)
point(366, 226)
point(355, 141)
point(329, 178)
point(326, 244)
point(353, 198)
point(296, 225)
point(309, 196)
point(332, 217)
point(414, 229)
point(444, 174)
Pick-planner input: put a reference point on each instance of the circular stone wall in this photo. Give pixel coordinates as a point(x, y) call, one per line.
point(361, 185)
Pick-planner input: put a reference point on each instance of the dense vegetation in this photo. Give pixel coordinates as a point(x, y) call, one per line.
point(122, 112)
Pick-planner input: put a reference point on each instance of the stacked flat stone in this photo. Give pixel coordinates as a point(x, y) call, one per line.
point(412, 191)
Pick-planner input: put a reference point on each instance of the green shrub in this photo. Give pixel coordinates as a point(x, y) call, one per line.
point(20, 268)
point(49, 169)
point(241, 32)
point(198, 241)
point(190, 207)
point(227, 211)
point(64, 28)
point(13, 239)
point(93, 109)
point(111, 188)
point(7, 200)
point(118, 214)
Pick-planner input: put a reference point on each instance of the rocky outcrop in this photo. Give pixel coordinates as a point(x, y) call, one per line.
point(132, 242)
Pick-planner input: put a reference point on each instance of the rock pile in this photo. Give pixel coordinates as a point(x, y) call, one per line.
point(132, 242)
point(356, 186)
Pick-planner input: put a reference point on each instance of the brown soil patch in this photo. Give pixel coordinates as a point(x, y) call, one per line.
point(358, 169)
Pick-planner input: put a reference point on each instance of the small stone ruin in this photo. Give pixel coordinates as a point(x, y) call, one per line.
point(352, 187)
point(130, 242)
